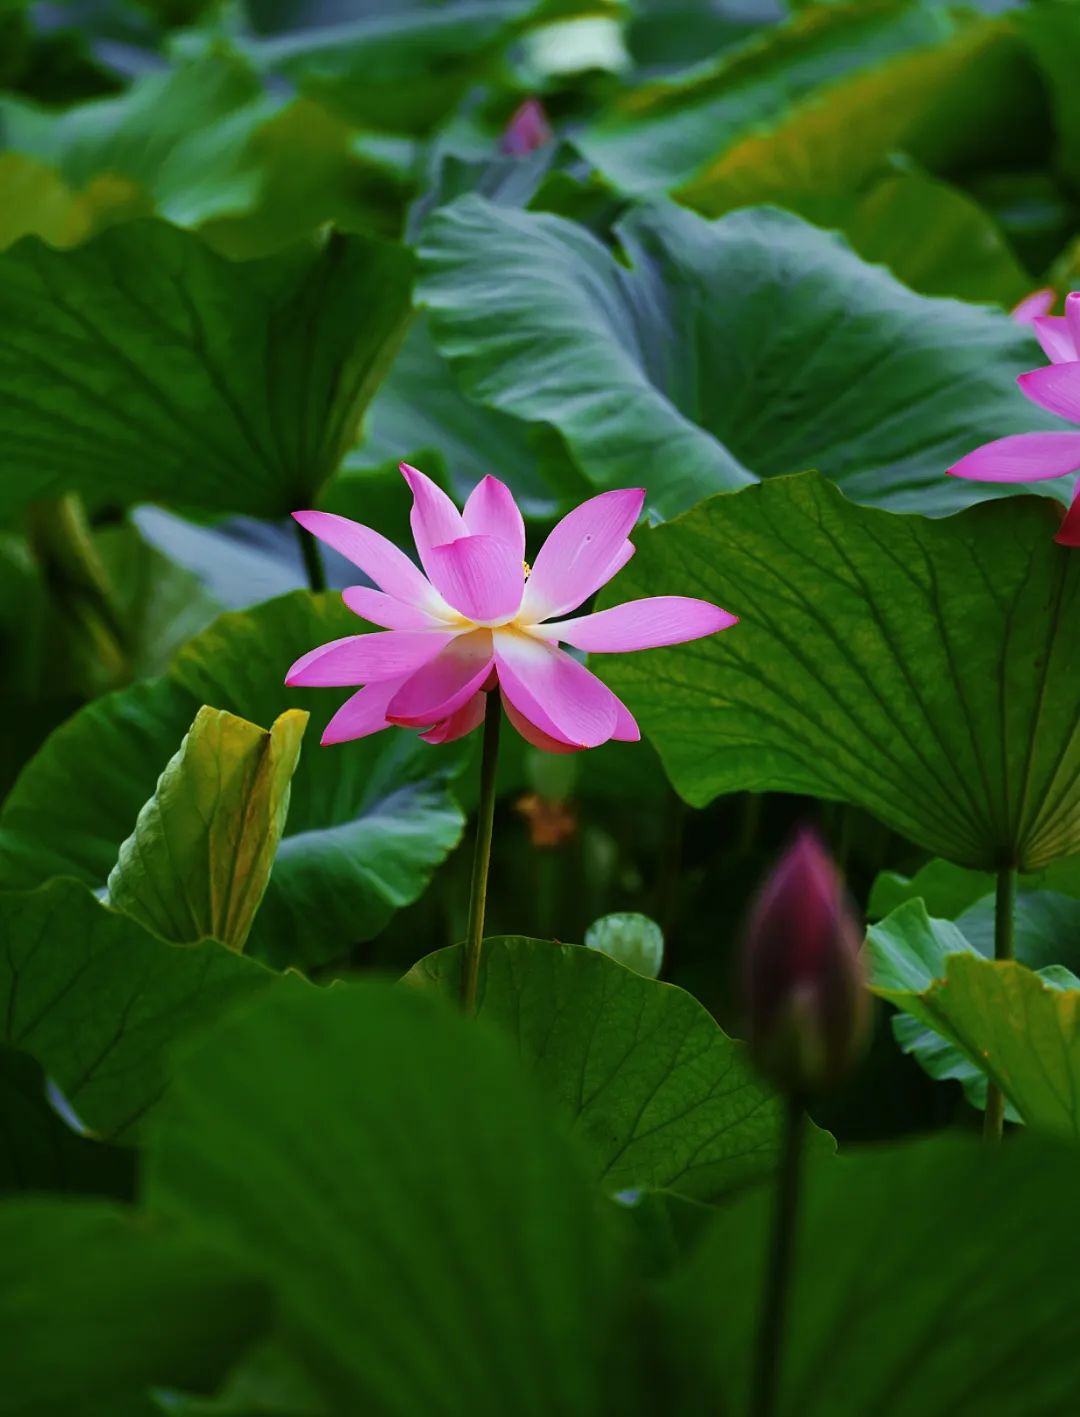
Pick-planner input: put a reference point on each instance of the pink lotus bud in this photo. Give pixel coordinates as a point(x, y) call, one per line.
point(805, 979)
point(527, 130)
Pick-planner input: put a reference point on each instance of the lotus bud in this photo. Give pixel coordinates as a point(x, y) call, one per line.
point(527, 130)
point(809, 1008)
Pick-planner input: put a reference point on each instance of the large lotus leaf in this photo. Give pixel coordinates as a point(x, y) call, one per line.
point(910, 947)
point(54, 59)
point(202, 143)
point(722, 352)
point(367, 823)
point(663, 1097)
point(266, 1382)
point(923, 670)
point(434, 1240)
point(934, 238)
point(1046, 928)
point(97, 1302)
point(86, 611)
point(946, 889)
point(420, 414)
point(160, 604)
point(177, 137)
point(554, 178)
point(33, 701)
point(42, 1151)
point(1019, 1027)
point(135, 1403)
point(932, 1279)
point(950, 891)
point(815, 107)
point(313, 169)
point(1053, 32)
point(403, 67)
point(198, 862)
point(141, 366)
point(1046, 931)
point(98, 1000)
point(664, 36)
point(238, 563)
point(942, 1060)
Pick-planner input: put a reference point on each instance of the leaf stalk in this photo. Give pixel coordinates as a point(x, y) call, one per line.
point(474, 938)
point(313, 562)
point(1004, 948)
point(772, 1320)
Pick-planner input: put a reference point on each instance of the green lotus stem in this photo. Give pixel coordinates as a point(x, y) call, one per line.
point(771, 1322)
point(313, 562)
point(474, 938)
point(1004, 948)
point(60, 536)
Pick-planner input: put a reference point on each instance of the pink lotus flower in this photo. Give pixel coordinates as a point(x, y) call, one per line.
point(478, 618)
point(1033, 457)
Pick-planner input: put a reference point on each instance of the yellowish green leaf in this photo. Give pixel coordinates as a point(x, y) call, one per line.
point(835, 138)
point(35, 200)
point(198, 862)
point(1019, 1026)
point(811, 109)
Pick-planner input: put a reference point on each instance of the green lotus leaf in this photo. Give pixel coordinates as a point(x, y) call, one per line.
point(923, 670)
point(811, 358)
point(660, 1093)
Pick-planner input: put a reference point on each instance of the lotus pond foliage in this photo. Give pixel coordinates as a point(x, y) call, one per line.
point(540, 783)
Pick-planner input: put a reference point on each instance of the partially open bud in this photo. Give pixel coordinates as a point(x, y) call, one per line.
point(809, 1008)
point(527, 130)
